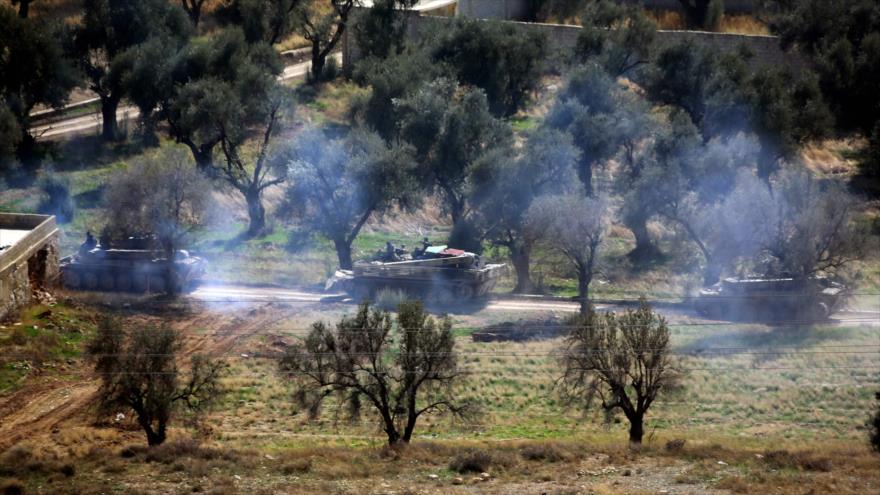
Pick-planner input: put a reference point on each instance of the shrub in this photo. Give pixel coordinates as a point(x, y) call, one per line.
point(297, 466)
point(782, 459)
point(169, 452)
point(390, 299)
point(67, 469)
point(471, 461)
point(542, 452)
point(874, 427)
point(58, 201)
point(675, 445)
point(12, 487)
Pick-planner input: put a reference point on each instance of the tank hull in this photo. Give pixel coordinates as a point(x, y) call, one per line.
point(431, 282)
point(782, 299)
point(130, 271)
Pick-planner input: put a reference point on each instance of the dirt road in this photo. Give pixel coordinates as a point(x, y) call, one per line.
point(673, 312)
point(86, 123)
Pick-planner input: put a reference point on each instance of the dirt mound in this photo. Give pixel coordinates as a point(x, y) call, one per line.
point(520, 331)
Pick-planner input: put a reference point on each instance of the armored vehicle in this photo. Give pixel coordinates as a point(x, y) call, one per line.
point(436, 274)
point(136, 269)
point(809, 299)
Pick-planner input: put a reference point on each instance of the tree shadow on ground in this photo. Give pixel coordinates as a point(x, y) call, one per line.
point(764, 343)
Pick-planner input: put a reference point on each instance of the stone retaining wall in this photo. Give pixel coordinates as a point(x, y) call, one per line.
point(30, 263)
point(561, 40)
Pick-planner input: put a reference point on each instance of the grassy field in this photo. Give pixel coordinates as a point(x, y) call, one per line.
point(752, 419)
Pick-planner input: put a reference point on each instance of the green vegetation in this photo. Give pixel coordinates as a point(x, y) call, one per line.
point(43, 343)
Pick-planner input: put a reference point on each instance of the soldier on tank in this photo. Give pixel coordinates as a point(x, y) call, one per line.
point(89, 243)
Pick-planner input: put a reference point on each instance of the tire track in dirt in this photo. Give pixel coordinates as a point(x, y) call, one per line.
point(32, 411)
point(39, 408)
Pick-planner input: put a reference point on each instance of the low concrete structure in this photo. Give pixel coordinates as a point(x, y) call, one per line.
point(28, 258)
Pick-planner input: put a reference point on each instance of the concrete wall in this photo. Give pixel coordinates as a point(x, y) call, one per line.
point(561, 40)
point(494, 9)
point(730, 6)
point(30, 263)
point(517, 10)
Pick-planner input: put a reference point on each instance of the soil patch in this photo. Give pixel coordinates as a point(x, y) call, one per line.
point(520, 331)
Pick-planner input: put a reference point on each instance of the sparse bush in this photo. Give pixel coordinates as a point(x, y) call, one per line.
point(67, 469)
point(16, 460)
point(12, 487)
point(297, 466)
point(675, 445)
point(171, 452)
point(783, 459)
point(471, 461)
point(542, 452)
point(58, 201)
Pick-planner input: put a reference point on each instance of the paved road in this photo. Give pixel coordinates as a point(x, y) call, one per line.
point(86, 123)
point(243, 294)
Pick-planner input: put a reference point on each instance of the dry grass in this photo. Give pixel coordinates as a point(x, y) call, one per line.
point(731, 23)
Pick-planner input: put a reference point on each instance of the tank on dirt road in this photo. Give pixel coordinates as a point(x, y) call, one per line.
point(436, 274)
point(793, 299)
point(130, 267)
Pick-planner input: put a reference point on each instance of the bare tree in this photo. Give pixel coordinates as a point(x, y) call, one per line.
point(138, 372)
point(574, 226)
point(623, 361)
point(357, 364)
point(811, 227)
point(164, 195)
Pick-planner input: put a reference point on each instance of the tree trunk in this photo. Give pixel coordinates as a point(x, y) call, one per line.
point(636, 428)
point(109, 127)
point(645, 249)
point(712, 273)
point(204, 157)
point(318, 61)
point(170, 277)
point(256, 213)
point(584, 279)
point(343, 252)
point(154, 437)
point(585, 172)
point(24, 7)
point(521, 259)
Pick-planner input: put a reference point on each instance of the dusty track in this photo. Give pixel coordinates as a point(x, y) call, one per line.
point(675, 313)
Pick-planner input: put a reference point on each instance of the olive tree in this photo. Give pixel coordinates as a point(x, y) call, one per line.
point(511, 181)
point(623, 362)
point(109, 28)
point(34, 72)
point(502, 60)
point(269, 21)
point(138, 372)
point(399, 373)
point(452, 130)
point(163, 195)
point(618, 36)
point(323, 29)
point(337, 185)
point(573, 226)
point(586, 108)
